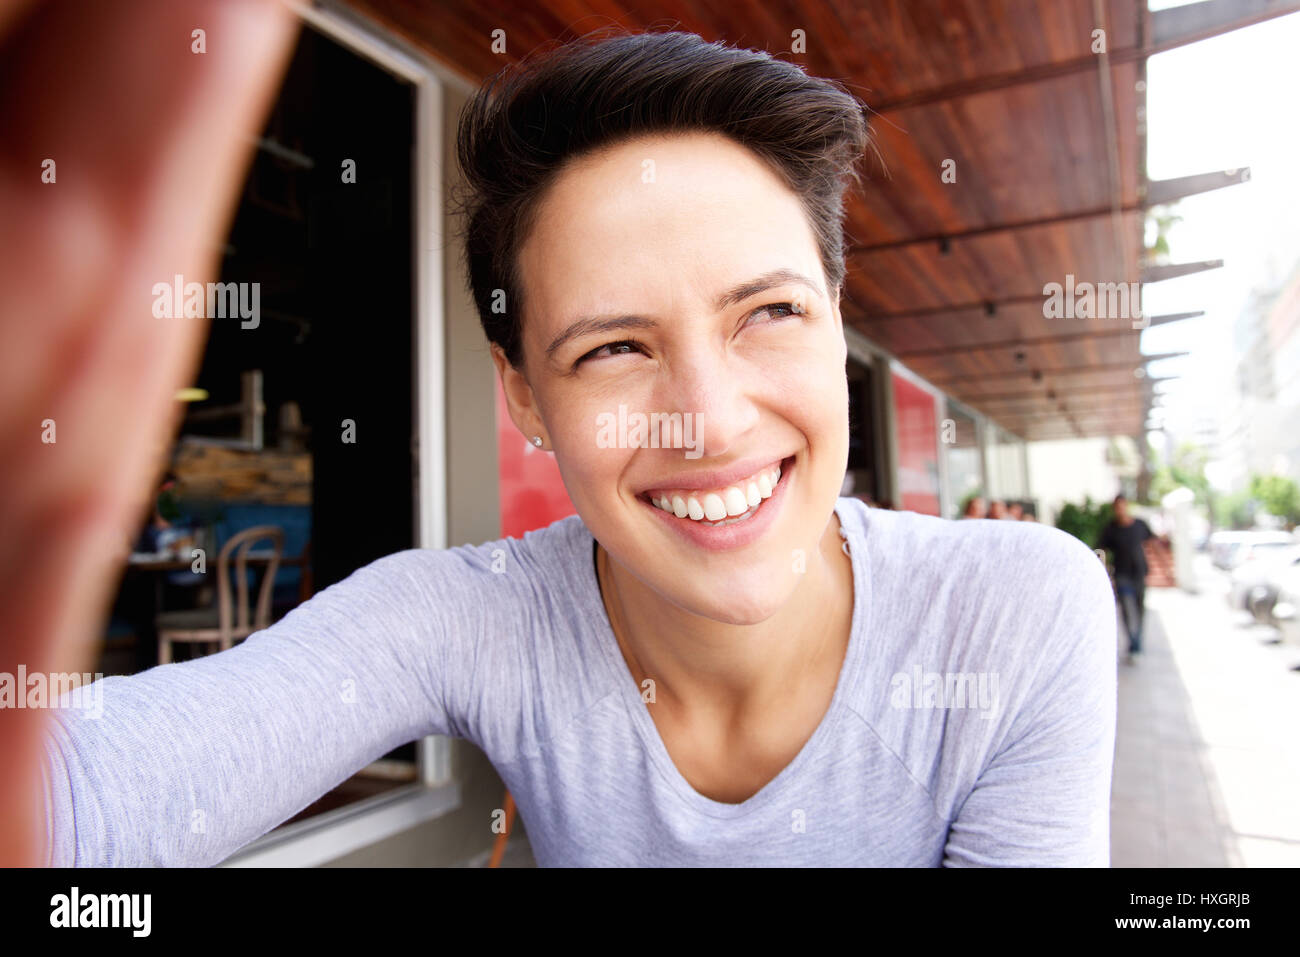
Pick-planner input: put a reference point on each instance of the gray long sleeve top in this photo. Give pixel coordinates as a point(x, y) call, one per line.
point(973, 722)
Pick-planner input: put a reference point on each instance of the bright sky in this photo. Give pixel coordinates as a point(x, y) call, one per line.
point(1223, 103)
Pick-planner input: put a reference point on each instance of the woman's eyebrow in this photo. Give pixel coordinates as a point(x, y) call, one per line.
point(586, 327)
point(752, 287)
point(737, 294)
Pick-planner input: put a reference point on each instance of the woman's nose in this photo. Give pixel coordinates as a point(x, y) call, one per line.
point(720, 400)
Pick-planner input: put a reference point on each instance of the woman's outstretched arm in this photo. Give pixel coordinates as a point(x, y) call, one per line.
point(186, 763)
point(123, 151)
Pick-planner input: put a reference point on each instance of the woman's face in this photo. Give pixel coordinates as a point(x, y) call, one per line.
point(678, 274)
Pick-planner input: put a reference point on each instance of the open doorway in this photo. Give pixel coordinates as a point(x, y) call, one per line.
point(863, 476)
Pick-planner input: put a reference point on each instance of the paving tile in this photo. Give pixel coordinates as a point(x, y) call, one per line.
point(1207, 772)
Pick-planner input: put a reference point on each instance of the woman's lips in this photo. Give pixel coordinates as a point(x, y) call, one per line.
point(732, 531)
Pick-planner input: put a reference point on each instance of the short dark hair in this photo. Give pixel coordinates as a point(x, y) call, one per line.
point(526, 122)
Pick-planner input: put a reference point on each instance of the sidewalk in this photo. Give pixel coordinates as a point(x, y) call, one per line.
point(1207, 769)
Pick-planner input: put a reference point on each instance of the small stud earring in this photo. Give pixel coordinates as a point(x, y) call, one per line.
point(537, 441)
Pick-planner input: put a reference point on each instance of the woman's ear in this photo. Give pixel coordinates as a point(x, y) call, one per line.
point(520, 401)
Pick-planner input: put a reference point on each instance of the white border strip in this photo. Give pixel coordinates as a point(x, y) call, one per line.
point(357, 825)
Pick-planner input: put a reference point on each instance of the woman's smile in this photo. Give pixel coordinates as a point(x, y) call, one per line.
point(723, 517)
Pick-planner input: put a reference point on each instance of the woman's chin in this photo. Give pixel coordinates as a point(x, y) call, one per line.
point(750, 601)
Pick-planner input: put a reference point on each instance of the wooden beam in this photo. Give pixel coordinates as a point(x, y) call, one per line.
point(1160, 191)
point(1169, 33)
point(1041, 393)
point(974, 399)
point(1086, 433)
point(1031, 431)
point(984, 305)
point(1085, 412)
point(1052, 220)
point(989, 83)
point(1175, 270)
point(1133, 409)
point(1114, 411)
point(1110, 136)
point(1157, 192)
point(1198, 21)
point(1015, 343)
point(1086, 420)
point(1069, 370)
point(1140, 117)
point(1042, 340)
point(1104, 402)
point(1174, 317)
point(1071, 401)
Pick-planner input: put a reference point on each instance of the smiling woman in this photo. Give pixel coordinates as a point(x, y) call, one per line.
point(701, 666)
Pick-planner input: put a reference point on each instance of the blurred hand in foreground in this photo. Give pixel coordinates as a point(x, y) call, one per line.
point(149, 142)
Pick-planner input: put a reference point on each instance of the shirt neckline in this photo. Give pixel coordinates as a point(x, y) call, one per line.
point(630, 693)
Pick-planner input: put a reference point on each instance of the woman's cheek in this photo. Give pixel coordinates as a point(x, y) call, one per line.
point(808, 386)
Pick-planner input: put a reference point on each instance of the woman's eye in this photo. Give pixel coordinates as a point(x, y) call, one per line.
point(778, 310)
point(612, 348)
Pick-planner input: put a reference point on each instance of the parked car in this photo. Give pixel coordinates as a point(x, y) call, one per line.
point(1230, 549)
point(1253, 581)
point(1285, 613)
point(1264, 595)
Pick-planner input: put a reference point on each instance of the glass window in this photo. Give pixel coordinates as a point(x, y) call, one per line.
point(960, 440)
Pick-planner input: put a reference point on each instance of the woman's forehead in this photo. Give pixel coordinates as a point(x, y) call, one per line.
point(666, 217)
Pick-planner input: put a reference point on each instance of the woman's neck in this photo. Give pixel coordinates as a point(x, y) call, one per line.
point(702, 665)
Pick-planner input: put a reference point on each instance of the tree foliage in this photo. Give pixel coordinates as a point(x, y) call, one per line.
point(1185, 469)
point(1277, 495)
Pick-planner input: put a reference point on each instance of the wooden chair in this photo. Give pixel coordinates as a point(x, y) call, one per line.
point(228, 620)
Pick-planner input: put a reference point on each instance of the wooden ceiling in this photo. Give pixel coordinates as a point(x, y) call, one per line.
point(1048, 146)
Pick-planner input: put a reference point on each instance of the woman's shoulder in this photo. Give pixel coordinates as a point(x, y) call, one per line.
point(993, 554)
point(476, 589)
point(549, 549)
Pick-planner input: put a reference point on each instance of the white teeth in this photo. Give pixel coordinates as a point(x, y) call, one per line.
point(714, 508)
point(734, 499)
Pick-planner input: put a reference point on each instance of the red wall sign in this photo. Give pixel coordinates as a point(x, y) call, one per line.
point(918, 447)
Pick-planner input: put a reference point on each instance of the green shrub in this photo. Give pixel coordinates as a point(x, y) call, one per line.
point(1085, 521)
